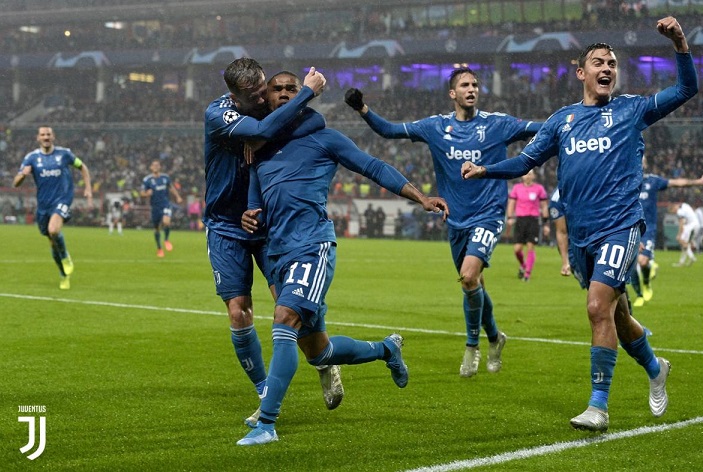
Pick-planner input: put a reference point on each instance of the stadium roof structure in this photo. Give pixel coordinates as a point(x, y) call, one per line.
point(39, 12)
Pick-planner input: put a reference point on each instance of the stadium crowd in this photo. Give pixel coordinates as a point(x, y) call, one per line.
point(118, 163)
point(139, 118)
point(333, 24)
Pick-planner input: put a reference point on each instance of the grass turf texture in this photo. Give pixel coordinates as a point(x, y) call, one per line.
point(137, 372)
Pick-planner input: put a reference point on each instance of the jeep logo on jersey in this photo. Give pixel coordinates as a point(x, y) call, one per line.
point(229, 116)
point(50, 173)
point(467, 155)
point(593, 144)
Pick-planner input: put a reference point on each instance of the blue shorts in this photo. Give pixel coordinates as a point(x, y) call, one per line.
point(158, 213)
point(478, 240)
point(232, 262)
point(302, 280)
point(609, 260)
point(43, 216)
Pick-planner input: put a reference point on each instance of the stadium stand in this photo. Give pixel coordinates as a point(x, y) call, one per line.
point(124, 91)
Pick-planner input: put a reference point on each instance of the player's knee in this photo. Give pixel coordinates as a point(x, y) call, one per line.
point(287, 316)
point(597, 310)
point(240, 312)
point(470, 280)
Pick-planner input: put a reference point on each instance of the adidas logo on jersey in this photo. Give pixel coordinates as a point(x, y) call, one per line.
point(610, 273)
point(299, 291)
point(565, 128)
point(482, 250)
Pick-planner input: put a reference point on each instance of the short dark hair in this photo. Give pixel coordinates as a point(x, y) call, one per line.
point(584, 54)
point(454, 76)
point(243, 73)
point(284, 72)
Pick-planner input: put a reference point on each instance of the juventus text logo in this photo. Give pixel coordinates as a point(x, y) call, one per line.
point(31, 421)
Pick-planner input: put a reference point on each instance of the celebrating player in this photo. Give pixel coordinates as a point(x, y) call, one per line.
point(290, 183)
point(646, 267)
point(600, 147)
point(230, 121)
point(50, 167)
point(478, 211)
point(157, 186)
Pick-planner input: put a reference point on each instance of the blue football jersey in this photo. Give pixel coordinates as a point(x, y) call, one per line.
point(600, 152)
point(291, 182)
point(482, 140)
point(160, 187)
point(226, 174)
point(651, 186)
point(52, 176)
point(556, 207)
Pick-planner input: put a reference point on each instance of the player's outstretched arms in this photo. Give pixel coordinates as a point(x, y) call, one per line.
point(249, 221)
point(355, 99)
point(433, 204)
point(469, 170)
point(671, 28)
point(436, 205)
point(315, 80)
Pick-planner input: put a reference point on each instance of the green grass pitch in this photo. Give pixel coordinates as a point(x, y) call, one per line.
point(137, 372)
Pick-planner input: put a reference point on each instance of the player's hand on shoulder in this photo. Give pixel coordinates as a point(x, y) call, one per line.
point(354, 98)
point(315, 80)
point(250, 223)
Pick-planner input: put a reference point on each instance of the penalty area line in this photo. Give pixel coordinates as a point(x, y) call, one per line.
point(554, 448)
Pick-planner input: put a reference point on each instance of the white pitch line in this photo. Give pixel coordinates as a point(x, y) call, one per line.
point(334, 323)
point(554, 448)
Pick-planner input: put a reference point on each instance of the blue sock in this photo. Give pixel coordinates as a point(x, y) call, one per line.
point(284, 363)
point(346, 350)
point(602, 368)
point(248, 349)
point(641, 351)
point(57, 258)
point(473, 308)
point(61, 246)
point(487, 318)
point(167, 232)
point(157, 238)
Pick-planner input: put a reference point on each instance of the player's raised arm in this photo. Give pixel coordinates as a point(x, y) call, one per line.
point(315, 81)
point(670, 28)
